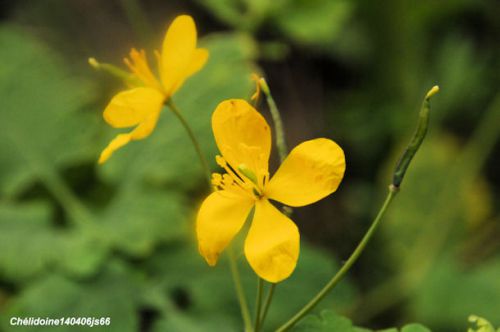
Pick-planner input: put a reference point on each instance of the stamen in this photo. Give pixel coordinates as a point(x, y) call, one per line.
point(139, 66)
point(223, 163)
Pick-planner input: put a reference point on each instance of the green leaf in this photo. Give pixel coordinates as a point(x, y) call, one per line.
point(43, 124)
point(136, 220)
point(327, 321)
point(316, 22)
point(450, 293)
point(204, 290)
point(415, 328)
point(17, 224)
point(110, 294)
point(330, 321)
point(421, 234)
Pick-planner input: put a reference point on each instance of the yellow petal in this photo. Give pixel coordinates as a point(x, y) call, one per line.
point(139, 106)
point(273, 242)
point(115, 144)
point(198, 60)
point(242, 135)
point(177, 52)
point(146, 127)
point(220, 218)
point(313, 170)
point(133, 106)
point(143, 130)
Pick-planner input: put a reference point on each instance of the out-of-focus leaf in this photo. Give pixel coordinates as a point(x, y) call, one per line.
point(136, 220)
point(450, 293)
point(110, 294)
point(421, 200)
point(415, 328)
point(167, 156)
point(325, 322)
point(204, 289)
point(316, 22)
point(422, 231)
point(18, 225)
point(460, 68)
point(134, 223)
point(176, 321)
point(330, 321)
point(309, 22)
point(43, 125)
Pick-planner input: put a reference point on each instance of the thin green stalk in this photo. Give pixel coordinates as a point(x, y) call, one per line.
point(195, 142)
point(431, 240)
point(267, 304)
point(345, 268)
point(283, 152)
point(245, 312)
point(278, 123)
point(398, 175)
point(258, 303)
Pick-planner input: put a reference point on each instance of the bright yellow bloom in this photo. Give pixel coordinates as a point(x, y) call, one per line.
point(312, 171)
point(140, 106)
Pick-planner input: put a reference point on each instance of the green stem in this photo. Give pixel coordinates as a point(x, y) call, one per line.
point(258, 303)
point(433, 235)
point(245, 313)
point(267, 304)
point(345, 268)
point(195, 142)
point(278, 123)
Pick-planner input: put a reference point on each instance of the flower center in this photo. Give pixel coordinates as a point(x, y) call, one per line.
point(242, 180)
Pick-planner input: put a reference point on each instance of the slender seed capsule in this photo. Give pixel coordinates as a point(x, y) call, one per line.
point(416, 141)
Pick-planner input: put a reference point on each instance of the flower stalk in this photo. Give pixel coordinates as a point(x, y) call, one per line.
point(278, 123)
point(398, 176)
point(245, 312)
point(194, 140)
point(258, 303)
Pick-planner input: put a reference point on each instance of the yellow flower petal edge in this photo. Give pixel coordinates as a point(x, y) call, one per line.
point(220, 218)
point(272, 244)
point(115, 144)
point(312, 171)
point(141, 105)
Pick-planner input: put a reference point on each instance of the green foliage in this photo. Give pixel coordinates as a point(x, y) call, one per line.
point(316, 22)
point(450, 292)
point(195, 283)
point(44, 124)
point(112, 293)
point(329, 321)
point(421, 238)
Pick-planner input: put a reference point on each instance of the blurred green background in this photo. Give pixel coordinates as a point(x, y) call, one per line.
point(78, 239)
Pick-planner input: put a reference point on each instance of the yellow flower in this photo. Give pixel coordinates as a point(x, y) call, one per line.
point(140, 106)
point(312, 171)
